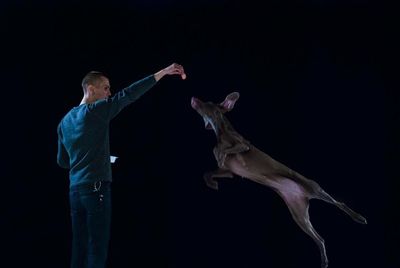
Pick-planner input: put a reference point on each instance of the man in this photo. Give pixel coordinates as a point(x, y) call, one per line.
point(83, 148)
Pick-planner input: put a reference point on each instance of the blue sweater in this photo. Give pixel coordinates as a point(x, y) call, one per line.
point(83, 134)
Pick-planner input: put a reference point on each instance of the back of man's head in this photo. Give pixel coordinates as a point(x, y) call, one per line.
point(92, 78)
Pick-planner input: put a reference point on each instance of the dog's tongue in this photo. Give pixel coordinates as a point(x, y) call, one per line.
point(208, 125)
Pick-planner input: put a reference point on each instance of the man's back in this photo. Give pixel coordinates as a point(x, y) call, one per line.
point(85, 138)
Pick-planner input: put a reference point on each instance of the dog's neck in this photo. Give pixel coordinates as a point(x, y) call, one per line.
point(223, 129)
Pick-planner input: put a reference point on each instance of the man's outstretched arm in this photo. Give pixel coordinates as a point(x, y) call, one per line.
point(109, 108)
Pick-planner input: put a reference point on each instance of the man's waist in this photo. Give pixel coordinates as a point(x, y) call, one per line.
point(90, 186)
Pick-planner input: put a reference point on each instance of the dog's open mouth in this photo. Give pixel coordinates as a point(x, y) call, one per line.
point(207, 123)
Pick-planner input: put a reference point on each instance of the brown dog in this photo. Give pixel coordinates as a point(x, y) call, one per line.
point(235, 155)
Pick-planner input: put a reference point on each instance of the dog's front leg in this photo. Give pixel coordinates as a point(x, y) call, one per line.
point(220, 152)
point(219, 156)
point(237, 148)
point(219, 173)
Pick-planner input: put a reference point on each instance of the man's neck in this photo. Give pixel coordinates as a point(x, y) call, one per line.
point(86, 100)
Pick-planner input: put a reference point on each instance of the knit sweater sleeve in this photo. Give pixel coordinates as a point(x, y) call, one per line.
point(107, 109)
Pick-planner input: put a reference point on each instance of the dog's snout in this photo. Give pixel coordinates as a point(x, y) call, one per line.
point(194, 102)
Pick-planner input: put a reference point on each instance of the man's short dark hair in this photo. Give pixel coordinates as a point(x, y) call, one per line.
point(92, 78)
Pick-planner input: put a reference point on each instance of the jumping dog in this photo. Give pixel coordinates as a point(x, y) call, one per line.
point(235, 155)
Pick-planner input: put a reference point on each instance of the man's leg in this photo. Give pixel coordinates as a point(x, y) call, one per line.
point(79, 231)
point(98, 205)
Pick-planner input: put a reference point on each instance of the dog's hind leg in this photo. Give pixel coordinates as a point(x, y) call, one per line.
point(317, 192)
point(322, 195)
point(298, 203)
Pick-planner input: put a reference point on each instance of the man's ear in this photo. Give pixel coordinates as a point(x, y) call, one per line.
point(91, 90)
point(229, 102)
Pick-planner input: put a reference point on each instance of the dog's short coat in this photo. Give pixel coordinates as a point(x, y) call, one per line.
point(235, 155)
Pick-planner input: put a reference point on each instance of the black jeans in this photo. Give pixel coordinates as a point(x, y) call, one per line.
point(91, 218)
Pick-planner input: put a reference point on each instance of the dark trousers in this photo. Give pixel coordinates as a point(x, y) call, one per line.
point(91, 218)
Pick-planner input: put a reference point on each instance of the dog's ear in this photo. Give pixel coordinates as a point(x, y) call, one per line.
point(229, 101)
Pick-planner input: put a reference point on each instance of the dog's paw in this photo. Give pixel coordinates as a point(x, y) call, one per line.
point(221, 165)
point(221, 161)
point(212, 183)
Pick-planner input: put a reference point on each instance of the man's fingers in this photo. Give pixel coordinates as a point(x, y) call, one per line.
point(177, 69)
point(178, 66)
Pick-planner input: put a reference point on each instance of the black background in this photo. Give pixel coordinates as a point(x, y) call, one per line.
point(318, 83)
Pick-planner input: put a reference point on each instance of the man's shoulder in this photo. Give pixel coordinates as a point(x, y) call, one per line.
point(73, 112)
point(97, 104)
